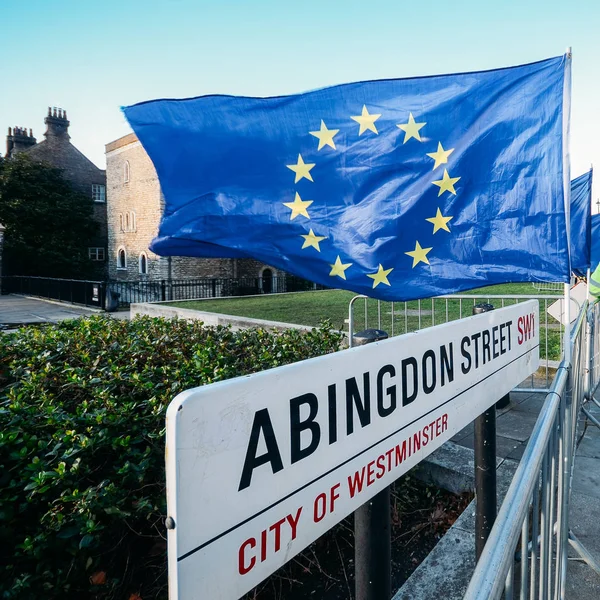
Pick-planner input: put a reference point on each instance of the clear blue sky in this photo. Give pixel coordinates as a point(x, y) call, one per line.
point(91, 57)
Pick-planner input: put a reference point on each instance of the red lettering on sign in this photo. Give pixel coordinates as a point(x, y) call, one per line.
point(319, 507)
point(244, 567)
point(334, 497)
point(268, 544)
point(526, 328)
point(355, 482)
point(370, 473)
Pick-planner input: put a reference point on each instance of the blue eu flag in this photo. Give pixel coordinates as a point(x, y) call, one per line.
point(397, 189)
point(581, 223)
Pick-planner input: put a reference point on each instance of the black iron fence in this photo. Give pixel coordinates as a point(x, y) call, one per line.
point(76, 291)
point(110, 295)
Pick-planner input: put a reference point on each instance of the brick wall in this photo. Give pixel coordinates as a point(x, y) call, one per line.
point(140, 199)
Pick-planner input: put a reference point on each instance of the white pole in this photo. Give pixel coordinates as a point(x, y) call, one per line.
point(567, 191)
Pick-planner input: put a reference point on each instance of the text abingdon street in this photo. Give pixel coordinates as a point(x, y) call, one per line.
point(258, 467)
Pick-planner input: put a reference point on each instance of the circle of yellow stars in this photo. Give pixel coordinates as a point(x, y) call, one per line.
point(366, 122)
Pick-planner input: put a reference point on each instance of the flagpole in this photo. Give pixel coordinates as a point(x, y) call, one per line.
point(567, 194)
point(565, 441)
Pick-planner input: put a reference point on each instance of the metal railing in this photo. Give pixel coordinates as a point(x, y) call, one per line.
point(526, 553)
point(100, 294)
point(75, 291)
point(397, 318)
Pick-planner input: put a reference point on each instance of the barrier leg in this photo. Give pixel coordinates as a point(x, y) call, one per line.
point(485, 477)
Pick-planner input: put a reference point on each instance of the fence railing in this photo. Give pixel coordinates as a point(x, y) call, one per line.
point(104, 294)
point(397, 318)
point(76, 291)
point(526, 553)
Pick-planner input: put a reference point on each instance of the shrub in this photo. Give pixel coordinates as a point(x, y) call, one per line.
point(82, 406)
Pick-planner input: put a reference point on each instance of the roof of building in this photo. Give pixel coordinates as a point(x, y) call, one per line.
point(130, 138)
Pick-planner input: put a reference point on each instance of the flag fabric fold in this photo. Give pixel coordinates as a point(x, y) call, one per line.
point(397, 189)
point(595, 245)
point(581, 223)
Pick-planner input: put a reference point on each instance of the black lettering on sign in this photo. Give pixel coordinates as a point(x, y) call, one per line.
point(309, 424)
point(332, 401)
point(363, 408)
point(475, 337)
point(390, 391)
point(447, 363)
point(262, 422)
point(407, 397)
point(502, 339)
point(429, 372)
point(465, 366)
point(486, 346)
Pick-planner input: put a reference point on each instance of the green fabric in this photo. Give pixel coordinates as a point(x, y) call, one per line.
point(595, 282)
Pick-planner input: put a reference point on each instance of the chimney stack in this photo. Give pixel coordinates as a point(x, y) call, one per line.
point(57, 123)
point(18, 139)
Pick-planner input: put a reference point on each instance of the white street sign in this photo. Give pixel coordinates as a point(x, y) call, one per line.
point(260, 466)
point(578, 297)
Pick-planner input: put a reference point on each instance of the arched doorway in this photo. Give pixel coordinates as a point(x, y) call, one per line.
point(267, 281)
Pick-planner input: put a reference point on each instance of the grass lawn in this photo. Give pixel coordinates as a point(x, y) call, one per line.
point(310, 308)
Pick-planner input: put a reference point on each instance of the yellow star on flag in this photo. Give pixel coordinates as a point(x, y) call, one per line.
point(380, 276)
point(419, 255)
point(298, 207)
point(446, 184)
point(339, 268)
point(441, 156)
point(301, 169)
point(411, 129)
point(310, 239)
point(325, 136)
point(439, 222)
point(366, 121)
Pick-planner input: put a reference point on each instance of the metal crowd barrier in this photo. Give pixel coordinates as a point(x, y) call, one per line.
point(526, 553)
point(397, 318)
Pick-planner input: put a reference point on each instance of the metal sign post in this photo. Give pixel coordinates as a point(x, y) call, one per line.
point(373, 526)
point(485, 467)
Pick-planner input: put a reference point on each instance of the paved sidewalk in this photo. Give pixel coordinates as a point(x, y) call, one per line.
point(582, 582)
point(21, 310)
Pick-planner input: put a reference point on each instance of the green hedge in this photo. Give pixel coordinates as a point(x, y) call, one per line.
point(82, 406)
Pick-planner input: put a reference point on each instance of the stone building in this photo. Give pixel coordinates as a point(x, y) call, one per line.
point(134, 208)
point(57, 150)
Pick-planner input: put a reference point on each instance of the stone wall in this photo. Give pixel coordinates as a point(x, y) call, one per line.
point(134, 208)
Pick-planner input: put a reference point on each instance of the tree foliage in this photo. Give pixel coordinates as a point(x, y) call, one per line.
point(48, 224)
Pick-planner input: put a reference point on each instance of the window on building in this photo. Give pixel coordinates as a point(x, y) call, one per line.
point(96, 253)
point(143, 264)
point(126, 172)
point(121, 259)
point(127, 222)
point(99, 193)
